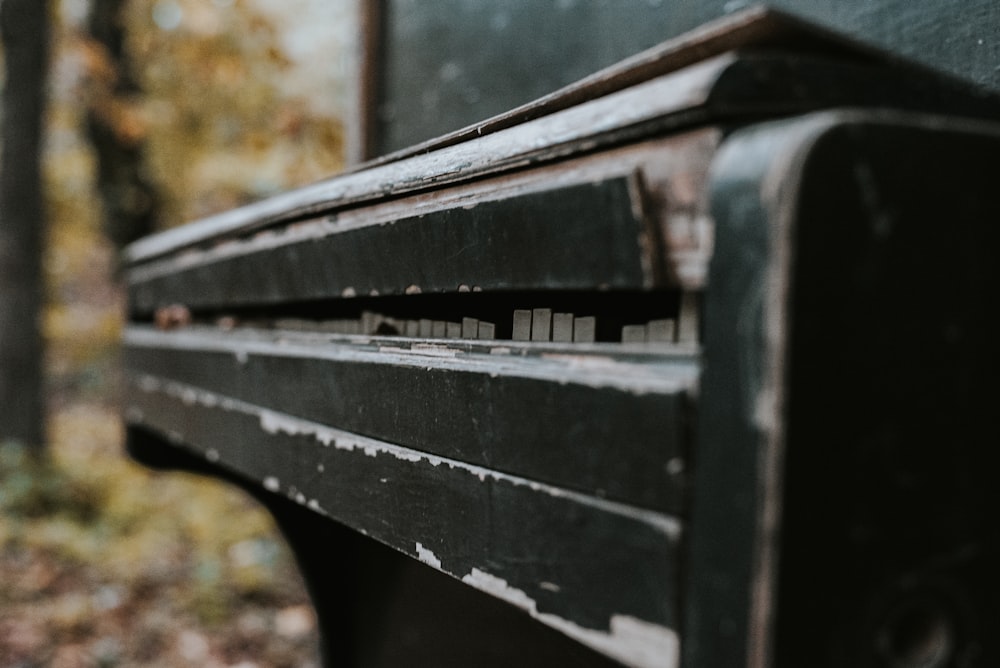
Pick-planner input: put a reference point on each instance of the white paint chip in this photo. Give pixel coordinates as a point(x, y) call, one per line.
point(632, 641)
point(427, 557)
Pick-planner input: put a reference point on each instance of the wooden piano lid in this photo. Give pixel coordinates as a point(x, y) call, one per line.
point(747, 66)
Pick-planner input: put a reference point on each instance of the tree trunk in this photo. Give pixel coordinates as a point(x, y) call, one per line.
point(24, 38)
point(130, 201)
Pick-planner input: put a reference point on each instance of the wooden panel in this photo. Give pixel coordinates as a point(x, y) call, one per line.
point(963, 39)
point(603, 573)
point(604, 122)
point(664, 179)
point(611, 429)
point(906, 345)
point(731, 87)
point(378, 607)
point(436, 77)
point(845, 407)
point(563, 477)
point(583, 236)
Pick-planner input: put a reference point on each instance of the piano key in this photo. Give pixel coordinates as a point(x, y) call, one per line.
point(688, 326)
point(661, 331)
point(634, 334)
point(522, 325)
point(453, 330)
point(439, 329)
point(487, 330)
point(470, 328)
point(541, 324)
point(369, 322)
point(562, 327)
point(585, 329)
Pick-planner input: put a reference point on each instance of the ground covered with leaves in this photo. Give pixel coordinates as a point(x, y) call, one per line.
point(106, 564)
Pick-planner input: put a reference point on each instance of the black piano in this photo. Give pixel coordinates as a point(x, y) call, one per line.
point(688, 363)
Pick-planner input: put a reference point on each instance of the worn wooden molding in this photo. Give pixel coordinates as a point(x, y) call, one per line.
point(564, 557)
point(826, 225)
point(756, 27)
point(730, 87)
point(612, 428)
point(551, 226)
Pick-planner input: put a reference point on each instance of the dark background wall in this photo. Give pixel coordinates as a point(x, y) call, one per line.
point(449, 63)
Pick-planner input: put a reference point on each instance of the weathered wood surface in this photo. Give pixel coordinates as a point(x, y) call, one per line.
point(731, 87)
point(422, 88)
point(568, 559)
point(422, 93)
point(844, 447)
point(631, 492)
point(572, 238)
point(919, 452)
point(586, 127)
point(545, 227)
point(615, 429)
point(825, 226)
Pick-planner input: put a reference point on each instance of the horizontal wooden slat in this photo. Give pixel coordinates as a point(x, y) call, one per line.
point(727, 88)
point(614, 428)
point(545, 139)
point(558, 44)
point(602, 572)
point(575, 237)
point(658, 221)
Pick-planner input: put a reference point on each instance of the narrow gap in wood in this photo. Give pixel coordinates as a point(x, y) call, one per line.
point(629, 317)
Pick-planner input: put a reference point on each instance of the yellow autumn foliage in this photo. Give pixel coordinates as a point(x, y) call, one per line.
point(219, 126)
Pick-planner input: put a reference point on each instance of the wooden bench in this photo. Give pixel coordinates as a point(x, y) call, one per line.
point(688, 363)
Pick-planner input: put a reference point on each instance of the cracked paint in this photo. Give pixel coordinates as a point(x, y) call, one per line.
point(273, 422)
point(634, 642)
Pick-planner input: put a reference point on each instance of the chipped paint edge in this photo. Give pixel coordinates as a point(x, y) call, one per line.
point(275, 423)
point(426, 556)
point(633, 641)
point(673, 375)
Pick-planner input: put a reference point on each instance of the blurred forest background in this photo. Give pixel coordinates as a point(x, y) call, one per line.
point(157, 112)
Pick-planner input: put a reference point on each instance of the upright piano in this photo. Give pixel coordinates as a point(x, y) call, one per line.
point(689, 363)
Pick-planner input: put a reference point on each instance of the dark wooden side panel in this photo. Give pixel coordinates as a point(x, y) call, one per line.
point(622, 438)
point(891, 491)
point(603, 573)
point(736, 479)
point(843, 500)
